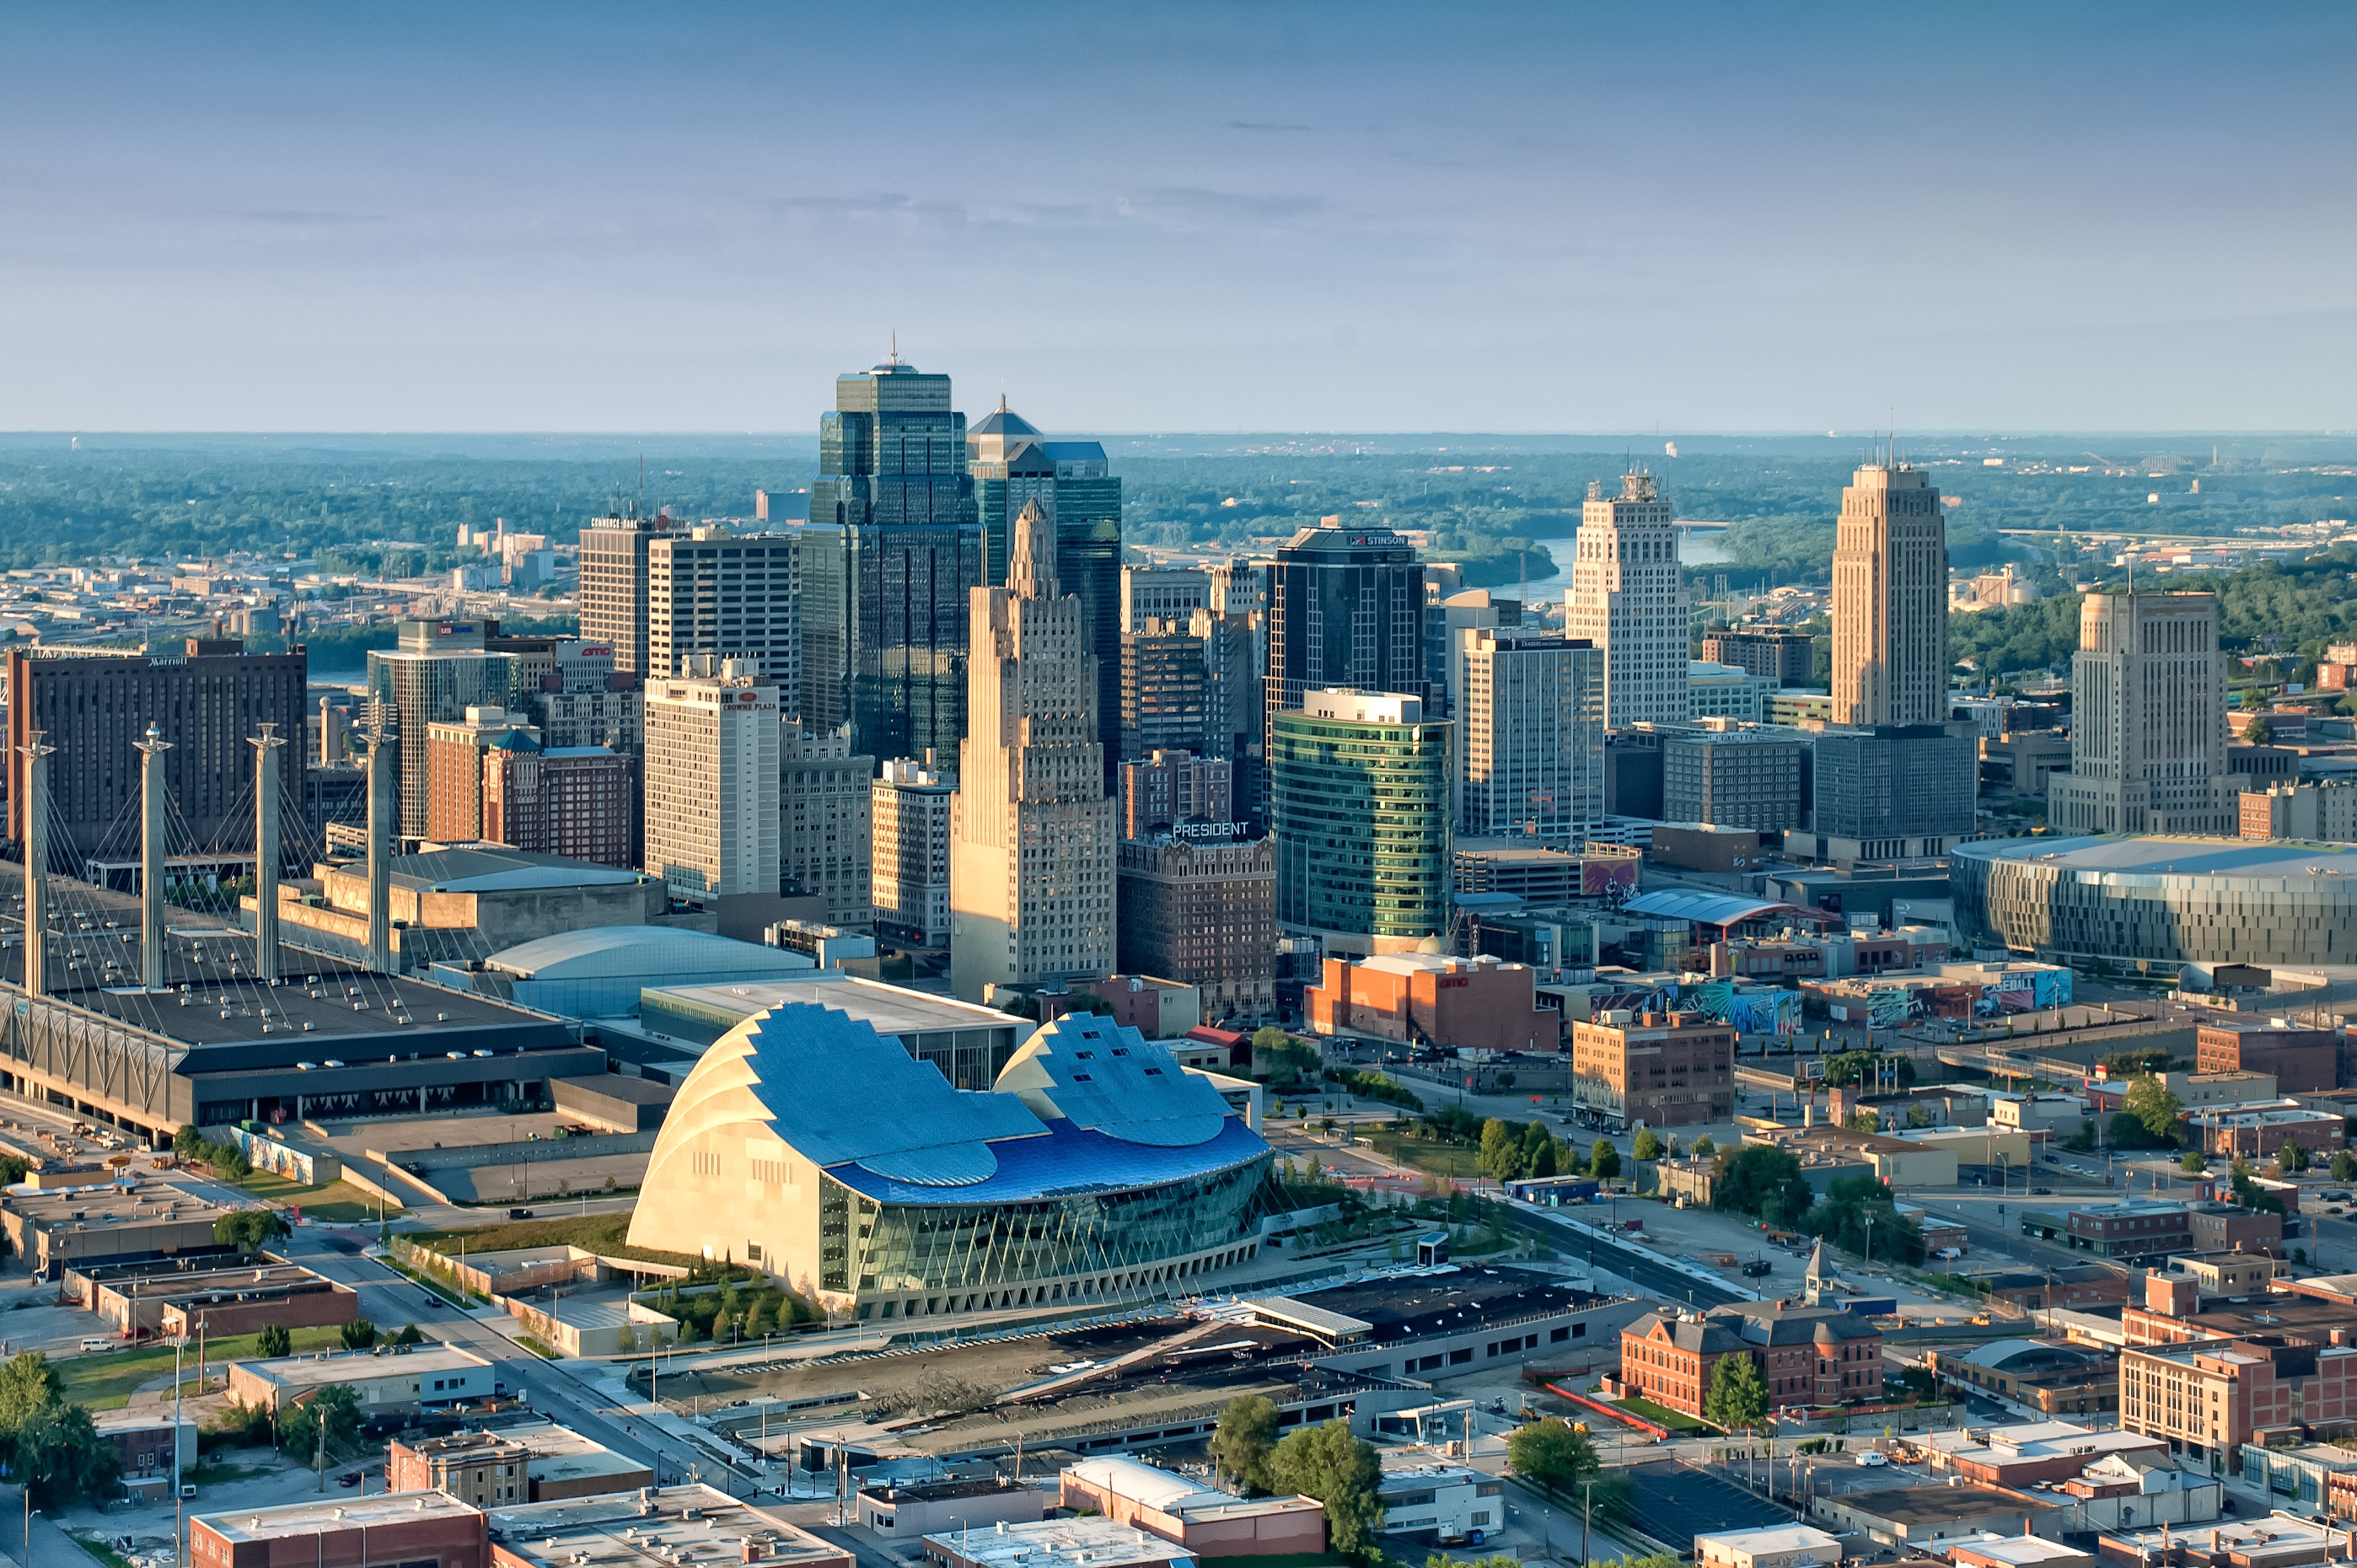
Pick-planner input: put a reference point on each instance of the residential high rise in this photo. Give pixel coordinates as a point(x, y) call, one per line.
point(1359, 787)
point(711, 813)
point(1168, 788)
point(1200, 908)
point(439, 670)
point(614, 582)
point(2149, 721)
point(1165, 691)
point(1733, 779)
point(1445, 615)
point(1629, 599)
point(1530, 730)
point(454, 768)
point(892, 478)
point(1893, 793)
point(1235, 656)
point(1346, 611)
point(1891, 600)
point(909, 810)
point(1168, 593)
point(1769, 651)
point(590, 702)
point(207, 702)
point(733, 597)
point(579, 802)
point(1031, 868)
point(825, 830)
point(1014, 466)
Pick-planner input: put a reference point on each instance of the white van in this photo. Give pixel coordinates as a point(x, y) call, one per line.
point(98, 1342)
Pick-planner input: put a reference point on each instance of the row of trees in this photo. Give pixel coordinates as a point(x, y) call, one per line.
point(1512, 1150)
point(1855, 1212)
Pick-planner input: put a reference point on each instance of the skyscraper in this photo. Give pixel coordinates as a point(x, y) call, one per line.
point(826, 832)
point(2149, 724)
point(1629, 599)
point(614, 583)
point(1530, 727)
point(711, 815)
point(454, 768)
point(1013, 466)
point(733, 597)
point(1031, 859)
point(1359, 787)
point(439, 670)
point(1346, 609)
point(892, 477)
point(911, 807)
point(1890, 600)
point(1165, 695)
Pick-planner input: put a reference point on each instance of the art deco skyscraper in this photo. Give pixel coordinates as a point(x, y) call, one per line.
point(2148, 726)
point(1628, 599)
point(1891, 600)
point(1031, 842)
point(892, 478)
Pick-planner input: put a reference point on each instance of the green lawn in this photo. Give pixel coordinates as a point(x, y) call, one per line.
point(337, 1201)
point(602, 1233)
point(1663, 1416)
point(1454, 1160)
point(106, 1380)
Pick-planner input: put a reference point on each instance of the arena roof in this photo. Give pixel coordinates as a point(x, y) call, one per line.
point(2187, 856)
point(1708, 909)
point(672, 951)
point(1094, 1072)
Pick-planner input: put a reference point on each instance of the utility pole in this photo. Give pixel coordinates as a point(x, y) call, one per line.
point(1586, 1514)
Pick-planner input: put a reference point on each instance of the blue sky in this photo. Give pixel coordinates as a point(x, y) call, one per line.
point(1186, 216)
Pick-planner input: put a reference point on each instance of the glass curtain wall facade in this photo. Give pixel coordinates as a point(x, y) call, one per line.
point(892, 477)
point(1360, 793)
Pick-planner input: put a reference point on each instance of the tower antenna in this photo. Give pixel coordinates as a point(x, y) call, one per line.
point(642, 484)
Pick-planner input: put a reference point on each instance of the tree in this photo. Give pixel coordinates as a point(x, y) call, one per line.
point(1326, 1463)
point(1603, 1160)
point(2124, 1131)
point(337, 1408)
point(2344, 1166)
point(2194, 1163)
point(1552, 1453)
point(275, 1341)
point(1705, 1148)
point(1737, 1400)
point(1859, 1213)
point(1502, 1150)
point(1246, 1437)
point(1761, 1181)
point(1648, 1145)
point(2259, 731)
point(250, 1228)
point(409, 1336)
point(2150, 1102)
point(188, 1142)
point(2291, 1156)
point(358, 1334)
point(46, 1439)
point(1543, 1159)
point(1865, 1121)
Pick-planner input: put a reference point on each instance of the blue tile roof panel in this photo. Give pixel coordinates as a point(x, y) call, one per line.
point(1071, 1160)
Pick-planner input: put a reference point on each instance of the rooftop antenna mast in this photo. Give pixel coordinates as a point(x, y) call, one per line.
point(642, 484)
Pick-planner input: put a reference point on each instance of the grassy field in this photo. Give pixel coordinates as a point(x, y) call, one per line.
point(1663, 1416)
point(1454, 1160)
point(340, 1202)
point(106, 1379)
point(603, 1233)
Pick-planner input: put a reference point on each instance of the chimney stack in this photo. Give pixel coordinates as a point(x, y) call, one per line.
point(37, 863)
point(382, 801)
point(151, 857)
point(265, 853)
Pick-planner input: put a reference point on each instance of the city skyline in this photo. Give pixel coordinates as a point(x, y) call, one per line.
point(369, 224)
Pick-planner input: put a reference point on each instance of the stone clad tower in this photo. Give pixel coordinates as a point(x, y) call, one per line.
point(1628, 600)
point(1891, 600)
point(1031, 837)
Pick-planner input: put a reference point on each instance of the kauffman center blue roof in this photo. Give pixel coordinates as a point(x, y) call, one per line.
point(1085, 1105)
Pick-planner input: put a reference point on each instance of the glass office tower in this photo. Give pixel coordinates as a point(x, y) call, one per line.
point(1360, 791)
point(892, 477)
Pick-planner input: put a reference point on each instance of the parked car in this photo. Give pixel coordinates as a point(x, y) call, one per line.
point(351, 1478)
point(519, 1213)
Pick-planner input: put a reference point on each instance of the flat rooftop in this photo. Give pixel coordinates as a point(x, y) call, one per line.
point(678, 1524)
point(2190, 858)
point(109, 1204)
point(891, 1009)
point(1936, 1504)
point(344, 1512)
point(1057, 1544)
point(356, 1366)
point(551, 1452)
point(1410, 1307)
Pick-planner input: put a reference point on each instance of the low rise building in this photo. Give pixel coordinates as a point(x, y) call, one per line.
point(1912, 1517)
point(226, 1295)
point(2029, 1452)
point(155, 1448)
point(1663, 1069)
point(387, 1380)
point(1893, 1160)
point(2050, 1377)
point(2130, 1230)
point(1158, 1008)
point(2301, 1061)
point(536, 1462)
point(1440, 1502)
point(1776, 1546)
point(2279, 1541)
point(1055, 1544)
point(1806, 1355)
point(76, 1226)
point(665, 1524)
point(1475, 1004)
point(1992, 1550)
point(910, 1512)
point(2038, 1113)
point(2256, 1133)
point(1202, 1519)
point(406, 1528)
point(2210, 1398)
point(2316, 1477)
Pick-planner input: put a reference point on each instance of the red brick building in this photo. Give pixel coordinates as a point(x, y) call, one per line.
point(412, 1528)
point(1478, 1003)
point(580, 802)
point(1806, 1355)
point(2302, 1060)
